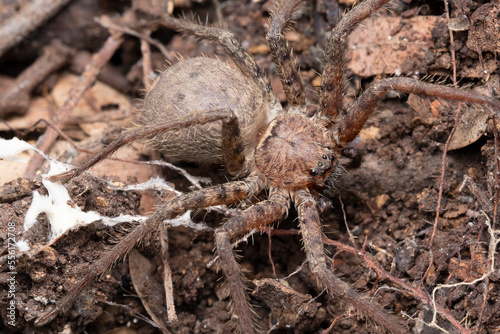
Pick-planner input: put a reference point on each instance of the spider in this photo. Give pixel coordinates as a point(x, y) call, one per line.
point(205, 111)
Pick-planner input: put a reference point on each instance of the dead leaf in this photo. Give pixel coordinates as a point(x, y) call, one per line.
point(148, 289)
point(95, 101)
point(471, 125)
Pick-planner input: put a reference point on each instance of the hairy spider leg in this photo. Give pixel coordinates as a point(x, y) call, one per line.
point(312, 237)
point(282, 55)
point(332, 79)
point(232, 146)
point(217, 195)
point(229, 126)
point(258, 215)
point(350, 125)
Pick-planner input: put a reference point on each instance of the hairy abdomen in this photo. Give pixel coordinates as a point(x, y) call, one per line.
point(199, 85)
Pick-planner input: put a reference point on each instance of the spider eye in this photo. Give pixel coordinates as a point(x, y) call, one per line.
point(313, 172)
point(320, 164)
point(324, 156)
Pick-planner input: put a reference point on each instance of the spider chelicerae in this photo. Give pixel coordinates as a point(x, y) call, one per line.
point(205, 111)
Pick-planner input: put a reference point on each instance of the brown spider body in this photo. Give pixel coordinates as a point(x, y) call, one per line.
point(203, 110)
point(295, 151)
point(290, 149)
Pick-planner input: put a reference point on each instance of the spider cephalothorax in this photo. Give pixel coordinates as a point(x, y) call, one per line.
point(205, 111)
point(295, 152)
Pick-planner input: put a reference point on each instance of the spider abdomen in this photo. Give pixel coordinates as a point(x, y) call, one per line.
point(199, 85)
point(295, 152)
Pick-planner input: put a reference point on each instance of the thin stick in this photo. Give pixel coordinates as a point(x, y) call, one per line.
point(108, 23)
point(147, 68)
point(167, 275)
point(440, 195)
point(16, 97)
point(452, 45)
point(351, 237)
point(268, 230)
point(86, 80)
point(326, 331)
point(30, 17)
point(497, 170)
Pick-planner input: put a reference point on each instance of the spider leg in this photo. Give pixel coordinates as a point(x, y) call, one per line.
point(351, 124)
point(149, 132)
point(312, 236)
point(332, 79)
point(258, 215)
point(226, 39)
point(285, 63)
point(222, 194)
point(232, 146)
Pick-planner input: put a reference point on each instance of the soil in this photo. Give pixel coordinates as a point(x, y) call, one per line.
point(386, 201)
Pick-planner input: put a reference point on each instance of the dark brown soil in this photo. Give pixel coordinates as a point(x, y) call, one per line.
point(389, 202)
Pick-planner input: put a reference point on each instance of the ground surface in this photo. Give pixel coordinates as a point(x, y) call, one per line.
point(389, 201)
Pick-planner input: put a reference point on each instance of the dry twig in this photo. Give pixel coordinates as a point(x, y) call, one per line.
point(107, 22)
point(86, 80)
point(30, 17)
point(16, 97)
point(440, 195)
point(167, 275)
